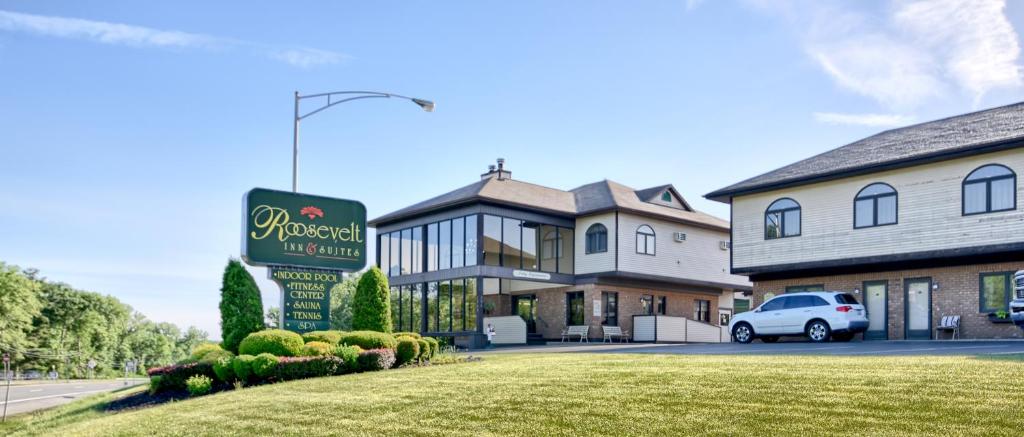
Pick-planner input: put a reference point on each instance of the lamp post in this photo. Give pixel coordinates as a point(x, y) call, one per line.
point(339, 98)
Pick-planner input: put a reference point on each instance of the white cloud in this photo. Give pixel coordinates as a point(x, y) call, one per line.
point(693, 4)
point(874, 120)
point(137, 36)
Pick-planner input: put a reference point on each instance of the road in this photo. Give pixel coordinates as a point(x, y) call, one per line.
point(31, 397)
point(856, 348)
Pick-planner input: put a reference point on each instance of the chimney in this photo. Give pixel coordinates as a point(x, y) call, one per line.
point(498, 172)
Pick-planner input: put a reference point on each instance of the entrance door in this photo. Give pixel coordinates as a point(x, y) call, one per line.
point(876, 300)
point(526, 307)
point(917, 308)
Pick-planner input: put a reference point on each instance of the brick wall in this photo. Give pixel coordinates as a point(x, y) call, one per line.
point(958, 294)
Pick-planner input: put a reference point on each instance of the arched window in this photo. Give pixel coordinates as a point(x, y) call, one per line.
point(782, 219)
point(875, 205)
point(597, 238)
point(990, 188)
point(645, 240)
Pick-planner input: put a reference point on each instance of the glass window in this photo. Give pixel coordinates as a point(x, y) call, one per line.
point(666, 196)
point(989, 189)
point(416, 306)
point(702, 310)
point(492, 240)
point(471, 301)
point(530, 246)
point(444, 306)
point(511, 239)
point(432, 256)
point(774, 304)
point(417, 249)
point(458, 242)
point(432, 306)
point(574, 308)
point(597, 238)
point(875, 205)
point(445, 245)
point(803, 288)
point(470, 249)
point(458, 305)
point(385, 249)
point(396, 309)
point(609, 308)
point(741, 305)
point(782, 219)
point(645, 240)
point(995, 292)
point(406, 251)
point(550, 248)
point(662, 305)
point(844, 298)
point(794, 302)
point(646, 305)
point(566, 243)
point(396, 243)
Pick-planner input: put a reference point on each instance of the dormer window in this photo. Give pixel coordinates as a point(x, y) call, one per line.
point(666, 197)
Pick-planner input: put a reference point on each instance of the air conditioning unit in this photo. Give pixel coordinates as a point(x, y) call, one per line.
point(679, 237)
point(724, 245)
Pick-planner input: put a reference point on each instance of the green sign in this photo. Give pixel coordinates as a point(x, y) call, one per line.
point(301, 230)
point(305, 297)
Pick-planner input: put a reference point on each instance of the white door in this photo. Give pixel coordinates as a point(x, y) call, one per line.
point(876, 297)
point(918, 308)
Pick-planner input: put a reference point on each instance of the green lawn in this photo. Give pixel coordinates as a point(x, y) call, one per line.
point(592, 394)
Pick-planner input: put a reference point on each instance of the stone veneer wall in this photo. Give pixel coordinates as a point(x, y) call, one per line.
point(958, 294)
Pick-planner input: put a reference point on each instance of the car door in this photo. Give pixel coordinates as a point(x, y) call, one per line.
point(768, 318)
point(795, 314)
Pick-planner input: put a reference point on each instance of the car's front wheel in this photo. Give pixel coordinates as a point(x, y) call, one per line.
point(743, 333)
point(818, 331)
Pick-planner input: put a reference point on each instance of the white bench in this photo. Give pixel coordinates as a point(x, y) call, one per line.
point(580, 331)
point(613, 332)
point(949, 324)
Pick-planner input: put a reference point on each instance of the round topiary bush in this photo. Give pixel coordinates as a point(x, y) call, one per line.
point(408, 349)
point(371, 304)
point(198, 385)
point(369, 340)
point(424, 349)
point(330, 337)
point(242, 366)
point(213, 357)
point(200, 351)
point(272, 341)
point(224, 368)
point(376, 359)
point(435, 347)
point(350, 355)
point(264, 365)
point(316, 349)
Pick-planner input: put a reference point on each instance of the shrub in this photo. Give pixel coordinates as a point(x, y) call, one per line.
point(213, 357)
point(407, 334)
point(154, 384)
point(350, 356)
point(264, 365)
point(316, 349)
point(369, 340)
point(330, 337)
point(371, 305)
point(408, 349)
point(200, 351)
point(241, 307)
point(424, 349)
point(242, 366)
point(173, 377)
point(272, 341)
point(376, 359)
point(435, 347)
point(224, 368)
point(198, 385)
point(289, 368)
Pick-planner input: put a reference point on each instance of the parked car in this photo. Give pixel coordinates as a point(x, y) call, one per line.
point(1017, 304)
point(820, 315)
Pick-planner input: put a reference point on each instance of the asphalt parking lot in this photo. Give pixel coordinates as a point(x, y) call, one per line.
point(863, 348)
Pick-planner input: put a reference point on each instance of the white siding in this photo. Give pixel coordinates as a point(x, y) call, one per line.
point(595, 262)
point(929, 216)
point(698, 258)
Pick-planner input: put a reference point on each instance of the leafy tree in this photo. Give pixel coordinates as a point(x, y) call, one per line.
point(272, 317)
point(191, 338)
point(341, 302)
point(241, 307)
point(19, 304)
point(371, 306)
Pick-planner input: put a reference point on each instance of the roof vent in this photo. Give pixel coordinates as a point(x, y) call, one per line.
point(498, 172)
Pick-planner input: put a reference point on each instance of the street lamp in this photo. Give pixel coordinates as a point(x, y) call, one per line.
point(339, 98)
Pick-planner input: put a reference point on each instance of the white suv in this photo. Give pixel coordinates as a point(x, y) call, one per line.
point(1017, 304)
point(818, 315)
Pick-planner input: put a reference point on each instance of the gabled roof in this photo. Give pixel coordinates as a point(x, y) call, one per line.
point(948, 138)
point(592, 198)
point(651, 194)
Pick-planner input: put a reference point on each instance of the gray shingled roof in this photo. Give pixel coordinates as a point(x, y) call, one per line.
point(951, 136)
point(591, 198)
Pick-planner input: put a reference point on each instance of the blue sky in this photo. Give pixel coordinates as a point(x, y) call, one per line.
point(130, 131)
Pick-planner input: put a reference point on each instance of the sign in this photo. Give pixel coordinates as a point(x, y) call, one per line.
point(531, 275)
point(597, 308)
point(300, 230)
point(305, 297)
point(91, 364)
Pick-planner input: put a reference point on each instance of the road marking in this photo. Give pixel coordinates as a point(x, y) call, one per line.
point(55, 396)
point(33, 391)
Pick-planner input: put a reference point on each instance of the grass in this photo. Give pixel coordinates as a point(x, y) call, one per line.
point(593, 394)
point(80, 410)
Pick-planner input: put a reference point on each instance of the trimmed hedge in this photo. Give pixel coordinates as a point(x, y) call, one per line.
point(424, 349)
point(369, 340)
point(407, 334)
point(200, 351)
point(350, 356)
point(289, 368)
point(330, 337)
point(264, 365)
point(242, 366)
point(173, 377)
point(407, 350)
point(435, 347)
point(376, 359)
point(316, 349)
point(224, 368)
point(371, 304)
point(272, 341)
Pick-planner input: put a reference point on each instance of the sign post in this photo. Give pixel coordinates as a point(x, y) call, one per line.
point(7, 376)
point(307, 242)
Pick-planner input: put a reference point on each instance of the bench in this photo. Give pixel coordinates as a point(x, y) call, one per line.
point(613, 332)
point(580, 331)
point(949, 324)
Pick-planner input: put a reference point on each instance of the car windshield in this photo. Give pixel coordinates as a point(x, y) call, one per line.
point(846, 299)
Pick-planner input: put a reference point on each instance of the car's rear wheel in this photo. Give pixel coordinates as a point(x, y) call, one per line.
point(846, 336)
point(743, 333)
point(769, 339)
point(818, 331)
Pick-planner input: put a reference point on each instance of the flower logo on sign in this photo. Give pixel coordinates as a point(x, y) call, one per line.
point(312, 212)
point(311, 248)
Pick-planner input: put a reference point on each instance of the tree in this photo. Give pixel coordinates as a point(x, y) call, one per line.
point(341, 302)
point(241, 307)
point(19, 304)
point(272, 317)
point(371, 306)
point(189, 340)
